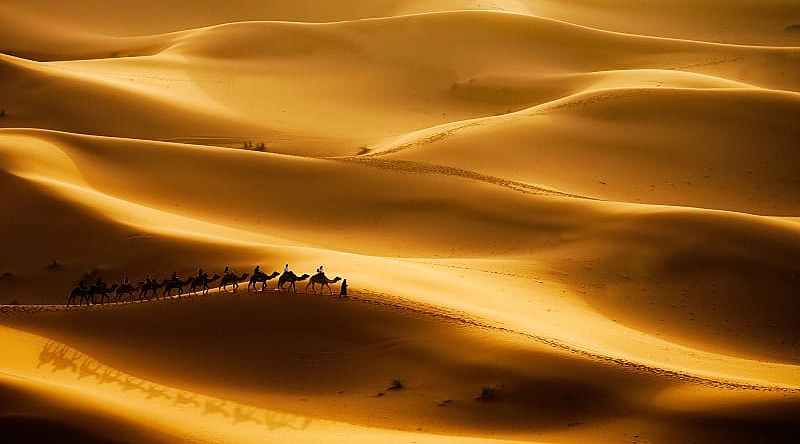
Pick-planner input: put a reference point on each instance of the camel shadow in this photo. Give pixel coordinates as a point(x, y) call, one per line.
point(61, 357)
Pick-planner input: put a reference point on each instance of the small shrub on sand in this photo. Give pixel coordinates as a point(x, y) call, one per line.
point(488, 393)
point(396, 385)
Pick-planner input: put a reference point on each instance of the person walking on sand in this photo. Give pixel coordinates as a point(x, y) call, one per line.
point(343, 289)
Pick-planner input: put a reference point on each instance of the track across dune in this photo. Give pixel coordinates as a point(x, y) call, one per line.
point(390, 302)
point(561, 221)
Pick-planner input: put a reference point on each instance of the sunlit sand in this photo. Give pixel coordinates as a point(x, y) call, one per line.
point(559, 221)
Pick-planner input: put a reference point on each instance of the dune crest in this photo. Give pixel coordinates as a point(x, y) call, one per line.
point(558, 221)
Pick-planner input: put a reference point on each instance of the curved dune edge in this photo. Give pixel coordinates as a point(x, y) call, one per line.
point(560, 220)
point(713, 164)
point(166, 409)
point(502, 298)
point(541, 374)
point(74, 34)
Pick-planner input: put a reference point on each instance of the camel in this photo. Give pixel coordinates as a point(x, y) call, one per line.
point(176, 283)
point(231, 279)
point(79, 292)
point(147, 288)
point(261, 277)
point(127, 289)
point(323, 281)
point(202, 282)
point(291, 278)
point(101, 290)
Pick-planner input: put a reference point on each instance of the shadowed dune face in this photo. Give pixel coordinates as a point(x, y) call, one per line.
point(560, 221)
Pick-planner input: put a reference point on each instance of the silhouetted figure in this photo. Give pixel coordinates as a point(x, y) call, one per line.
point(290, 278)
point(286, 269)
point(79, 292)
point(174, 276)
point(261, 277)
point(321, 269)
point(125, 279)
point(323, 281)
point(257, 270)
point(201, 274)
point(230, 278)
point(343, 289)
point(100, 289)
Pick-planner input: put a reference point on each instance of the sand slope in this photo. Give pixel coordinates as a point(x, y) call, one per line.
point(591, 209)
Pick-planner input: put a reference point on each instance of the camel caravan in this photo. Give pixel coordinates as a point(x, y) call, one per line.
point(200, 283)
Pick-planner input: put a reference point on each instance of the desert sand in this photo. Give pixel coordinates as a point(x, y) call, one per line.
point(560, 221)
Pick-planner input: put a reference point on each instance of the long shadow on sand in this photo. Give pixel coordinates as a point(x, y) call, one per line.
point(59, 357)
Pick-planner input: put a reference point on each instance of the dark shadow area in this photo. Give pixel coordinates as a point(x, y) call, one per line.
point(32, 430)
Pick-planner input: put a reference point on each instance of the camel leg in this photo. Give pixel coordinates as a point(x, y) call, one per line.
point(329, 288)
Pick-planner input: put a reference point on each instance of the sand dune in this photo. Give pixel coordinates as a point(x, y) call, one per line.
point(586, 210)
point(737, 151)
point(390, 89)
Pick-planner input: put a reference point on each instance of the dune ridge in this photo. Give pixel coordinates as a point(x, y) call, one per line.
point(560, 221)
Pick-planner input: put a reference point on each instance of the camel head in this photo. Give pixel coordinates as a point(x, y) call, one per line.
point(113, 287)
point(273, 275)
point(336, 279)
point(214, 278)
point(244, 276)
point(303, 277)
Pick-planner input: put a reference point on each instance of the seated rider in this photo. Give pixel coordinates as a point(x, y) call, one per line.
point(321, 269)
point(125, 280)
point(257, 270)
point(99, 283)
point(174, 275)
point(200, 273)
point(227, 272)
point(286, 269)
